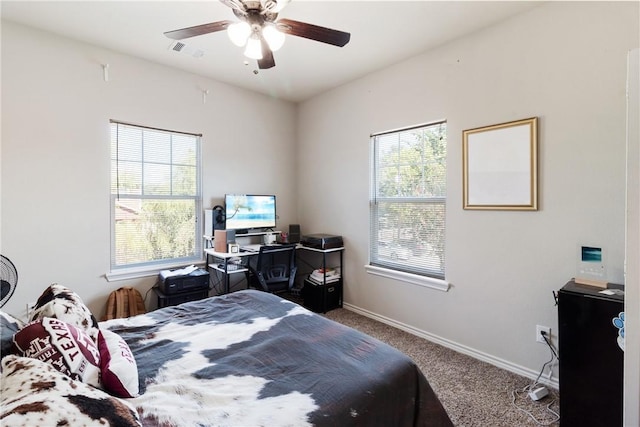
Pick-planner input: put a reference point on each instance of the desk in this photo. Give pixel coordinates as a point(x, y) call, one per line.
point(208, 239)
point(227, 268)
point(220, 262)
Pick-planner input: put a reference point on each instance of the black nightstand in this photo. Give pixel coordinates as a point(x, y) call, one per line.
point(165, 300)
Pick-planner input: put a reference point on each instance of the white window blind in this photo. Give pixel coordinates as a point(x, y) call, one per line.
point(156, 200)
point(408, 200)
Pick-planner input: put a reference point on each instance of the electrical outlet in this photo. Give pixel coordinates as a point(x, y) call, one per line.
point(539, 330)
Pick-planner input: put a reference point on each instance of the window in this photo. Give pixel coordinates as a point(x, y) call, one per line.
point(408, 200)
point(156, 199)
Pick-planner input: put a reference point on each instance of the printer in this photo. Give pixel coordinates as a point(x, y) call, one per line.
point(177, 281)
point(322, 241)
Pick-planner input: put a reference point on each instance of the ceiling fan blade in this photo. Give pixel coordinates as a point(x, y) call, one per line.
point(313, 32)
point(267, 60)
point(198, 30)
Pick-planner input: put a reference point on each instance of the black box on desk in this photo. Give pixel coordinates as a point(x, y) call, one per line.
point(196, 280)
point(322, 298)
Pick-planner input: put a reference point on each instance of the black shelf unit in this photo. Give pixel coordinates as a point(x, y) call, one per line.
point(322, 297)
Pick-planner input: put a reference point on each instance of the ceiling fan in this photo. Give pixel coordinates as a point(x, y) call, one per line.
point(259, 31)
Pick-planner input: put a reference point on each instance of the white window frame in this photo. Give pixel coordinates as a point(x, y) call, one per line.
point(380, 263)
point(152, 267)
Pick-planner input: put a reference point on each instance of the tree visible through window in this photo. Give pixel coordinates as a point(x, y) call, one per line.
point(408, 200)
point(155, 196)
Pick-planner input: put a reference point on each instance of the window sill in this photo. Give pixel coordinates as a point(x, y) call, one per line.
point(414, 279)
point(136, 273)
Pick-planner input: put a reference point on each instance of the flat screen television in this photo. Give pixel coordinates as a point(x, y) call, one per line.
point(250, 211)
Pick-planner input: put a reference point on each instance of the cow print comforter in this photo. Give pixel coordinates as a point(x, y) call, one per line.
point(253, 359)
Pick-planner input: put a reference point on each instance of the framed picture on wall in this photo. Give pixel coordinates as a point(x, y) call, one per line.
point(500, 166)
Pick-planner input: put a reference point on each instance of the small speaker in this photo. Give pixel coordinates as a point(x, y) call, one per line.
point(231, 236)
point(294, 233)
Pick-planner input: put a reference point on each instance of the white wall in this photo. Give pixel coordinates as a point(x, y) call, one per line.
point(564, 62)
point(55, 153)
point(632, 296)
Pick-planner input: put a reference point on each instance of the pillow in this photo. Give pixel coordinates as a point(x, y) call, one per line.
point(117, 365)
point(9, 325)
point(33, 391)
point(65, 347)
point(62, 303)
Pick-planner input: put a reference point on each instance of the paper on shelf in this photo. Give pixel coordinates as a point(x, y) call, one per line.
point(322, 279)
point(179, 272)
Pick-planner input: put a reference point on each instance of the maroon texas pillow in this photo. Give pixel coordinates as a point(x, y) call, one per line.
point(64, 346)
point(118, 366)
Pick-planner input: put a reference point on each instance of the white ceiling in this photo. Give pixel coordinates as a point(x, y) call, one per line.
point(382, 33)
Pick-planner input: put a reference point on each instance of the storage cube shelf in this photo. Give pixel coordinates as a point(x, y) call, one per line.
point(322, 298)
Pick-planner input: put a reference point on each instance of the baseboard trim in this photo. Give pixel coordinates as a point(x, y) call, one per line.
point(495, 361)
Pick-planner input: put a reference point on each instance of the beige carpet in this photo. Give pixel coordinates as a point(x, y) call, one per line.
point(474, 393)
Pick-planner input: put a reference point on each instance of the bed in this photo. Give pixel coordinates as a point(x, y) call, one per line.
point(254, 359)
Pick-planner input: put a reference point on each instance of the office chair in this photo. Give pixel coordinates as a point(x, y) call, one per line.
point(273, 269)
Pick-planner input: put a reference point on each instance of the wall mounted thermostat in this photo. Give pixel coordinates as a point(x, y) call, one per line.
point(590, 267)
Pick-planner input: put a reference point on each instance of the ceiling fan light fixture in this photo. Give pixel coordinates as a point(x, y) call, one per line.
point(259, 31)
point(274, 38)
point(239, 32)
point(254, 48)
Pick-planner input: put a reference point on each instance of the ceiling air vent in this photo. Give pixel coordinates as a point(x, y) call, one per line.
point(178, 46)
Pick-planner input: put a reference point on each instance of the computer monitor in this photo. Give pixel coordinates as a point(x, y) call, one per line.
point(250, 211)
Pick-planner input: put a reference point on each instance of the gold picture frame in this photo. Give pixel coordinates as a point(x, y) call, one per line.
point(500, 166)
